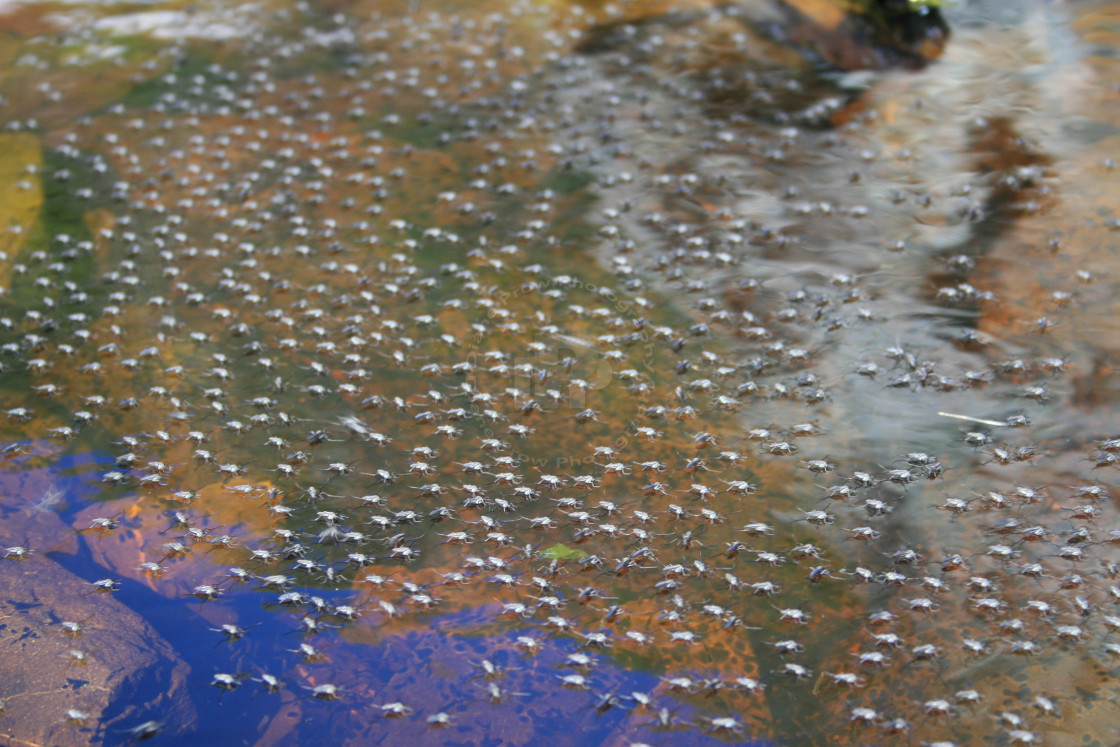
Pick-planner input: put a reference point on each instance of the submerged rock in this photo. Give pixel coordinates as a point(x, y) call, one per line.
point(875, 34)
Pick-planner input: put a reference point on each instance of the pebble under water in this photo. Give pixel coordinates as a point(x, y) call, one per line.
point(508, 372)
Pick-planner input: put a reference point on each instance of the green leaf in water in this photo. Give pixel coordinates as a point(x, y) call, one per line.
point(563, 552)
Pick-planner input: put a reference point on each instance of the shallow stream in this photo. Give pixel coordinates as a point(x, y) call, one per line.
point(518, 373)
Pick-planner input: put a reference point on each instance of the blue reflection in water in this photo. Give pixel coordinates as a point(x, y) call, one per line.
point(433, 670)
point(429, 671)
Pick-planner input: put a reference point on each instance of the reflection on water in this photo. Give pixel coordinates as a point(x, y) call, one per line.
point(517, 372)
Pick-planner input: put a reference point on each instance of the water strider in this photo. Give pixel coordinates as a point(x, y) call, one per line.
point(622, 349)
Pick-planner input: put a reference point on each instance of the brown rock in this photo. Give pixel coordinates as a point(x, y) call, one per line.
point(60, 688)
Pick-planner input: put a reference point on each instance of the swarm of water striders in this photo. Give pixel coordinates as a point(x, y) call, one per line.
point(421, 412)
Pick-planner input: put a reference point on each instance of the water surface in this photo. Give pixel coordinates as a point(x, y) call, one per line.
point(495, 373)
